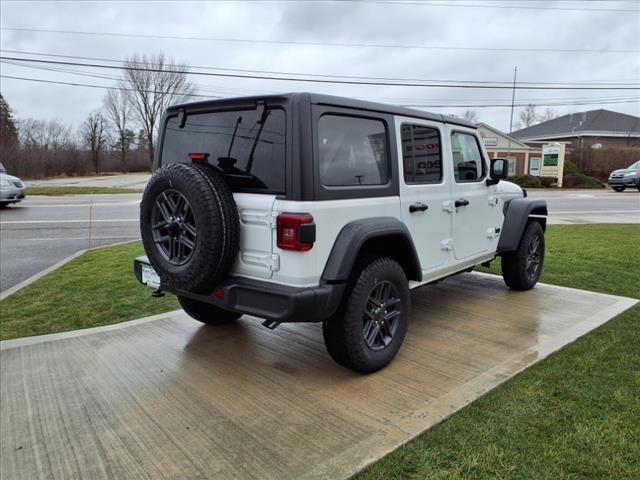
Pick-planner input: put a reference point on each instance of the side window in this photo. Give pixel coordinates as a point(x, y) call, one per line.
point(468, 165)
point(353, 151)
point(421, 154)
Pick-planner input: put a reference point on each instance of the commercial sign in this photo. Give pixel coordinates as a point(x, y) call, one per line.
point(490, 141)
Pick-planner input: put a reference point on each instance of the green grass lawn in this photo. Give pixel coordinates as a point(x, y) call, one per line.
point(78, 190)
point(97, 288)
point(574, 415)
point(601, 258)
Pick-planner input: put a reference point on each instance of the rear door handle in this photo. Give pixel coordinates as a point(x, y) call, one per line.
point(461, 203)
point(418, 207)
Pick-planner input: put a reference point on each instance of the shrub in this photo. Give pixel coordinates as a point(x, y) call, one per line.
point(570, 168)
point(579, 180)
point(548, 181)
point(526, 181)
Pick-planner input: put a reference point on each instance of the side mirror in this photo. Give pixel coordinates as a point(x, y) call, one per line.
point(499, 170)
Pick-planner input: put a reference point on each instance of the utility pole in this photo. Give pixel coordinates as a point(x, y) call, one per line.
point(513, 99)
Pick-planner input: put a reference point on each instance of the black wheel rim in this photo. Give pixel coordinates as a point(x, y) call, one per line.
point(534, 256)
point(174, 227)
point(381, 315)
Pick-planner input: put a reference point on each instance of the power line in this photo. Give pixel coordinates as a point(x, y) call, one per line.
point(318, 44)
point(238, 91)
point(521, 7)
point(205, 87)
point(352, 77)
point(316, 80)
point(74, 84)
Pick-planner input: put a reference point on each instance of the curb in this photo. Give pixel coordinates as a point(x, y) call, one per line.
point(49, 337)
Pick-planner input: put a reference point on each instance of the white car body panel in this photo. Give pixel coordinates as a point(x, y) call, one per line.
point(447, 240)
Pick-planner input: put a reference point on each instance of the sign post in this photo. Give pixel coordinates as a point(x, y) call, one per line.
point(553, 161)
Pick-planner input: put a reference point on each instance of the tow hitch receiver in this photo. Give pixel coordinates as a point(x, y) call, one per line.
point(270, 324)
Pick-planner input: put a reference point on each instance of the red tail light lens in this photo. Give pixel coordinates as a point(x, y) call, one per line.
point(198, 156)
point(296, 231)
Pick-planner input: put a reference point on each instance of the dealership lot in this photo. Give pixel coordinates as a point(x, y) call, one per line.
point(167, 397)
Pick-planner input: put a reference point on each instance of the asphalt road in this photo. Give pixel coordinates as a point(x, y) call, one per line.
point(591, 206)
point(41, 231)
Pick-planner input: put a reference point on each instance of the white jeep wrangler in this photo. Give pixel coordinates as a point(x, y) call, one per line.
point(311, 208)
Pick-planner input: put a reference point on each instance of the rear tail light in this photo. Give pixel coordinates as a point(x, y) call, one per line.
point(296, 231)
point(198, 156)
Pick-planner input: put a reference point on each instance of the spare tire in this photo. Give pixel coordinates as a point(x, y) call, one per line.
point(189, 226)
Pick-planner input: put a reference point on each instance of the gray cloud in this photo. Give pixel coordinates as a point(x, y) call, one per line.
point(341, 22)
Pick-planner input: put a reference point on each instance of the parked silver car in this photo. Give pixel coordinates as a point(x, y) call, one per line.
point(625, 177)
point(11, 188)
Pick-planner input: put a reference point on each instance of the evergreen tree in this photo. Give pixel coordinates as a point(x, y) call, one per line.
point(8, 129)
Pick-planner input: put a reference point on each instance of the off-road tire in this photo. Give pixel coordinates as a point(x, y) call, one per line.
point(207, 313)
point(215, 217)
point(217, 182)
point(344, 332)
point(516, 267)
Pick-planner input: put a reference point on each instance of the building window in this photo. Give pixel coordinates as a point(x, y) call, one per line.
point(353, 151)
point(421, 154)
point(513, 166)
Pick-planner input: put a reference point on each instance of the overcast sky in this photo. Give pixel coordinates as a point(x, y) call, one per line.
point(561, 25)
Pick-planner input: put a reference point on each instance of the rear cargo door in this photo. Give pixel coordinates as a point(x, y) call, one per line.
point(247, 145)
point(257, 224)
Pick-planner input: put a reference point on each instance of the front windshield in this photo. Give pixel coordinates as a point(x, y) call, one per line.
point(635, 166)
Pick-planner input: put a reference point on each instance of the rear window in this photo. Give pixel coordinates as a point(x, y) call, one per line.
point(353, 151)
point(249, 147)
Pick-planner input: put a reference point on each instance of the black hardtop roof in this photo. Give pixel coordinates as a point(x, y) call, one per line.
point(330, 100)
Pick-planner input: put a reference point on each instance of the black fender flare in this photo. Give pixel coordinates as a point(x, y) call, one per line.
point(355, 234)
point(517, 212)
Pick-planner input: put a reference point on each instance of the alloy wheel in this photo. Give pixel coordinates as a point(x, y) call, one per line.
point(381, 315)
point(534, 255)
point(173, 226)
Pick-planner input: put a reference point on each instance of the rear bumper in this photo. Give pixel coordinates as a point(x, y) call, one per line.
point(272, 301)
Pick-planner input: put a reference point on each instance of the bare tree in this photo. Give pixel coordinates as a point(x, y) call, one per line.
point(470, 115)
point(548, 114)
point(528, 116)
point(153, 83)
point(45, 135)
point(94, 134)
point(117, 105)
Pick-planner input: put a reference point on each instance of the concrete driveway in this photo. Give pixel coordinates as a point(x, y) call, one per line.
point(168, 397)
